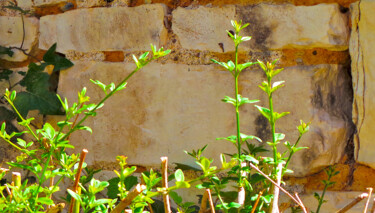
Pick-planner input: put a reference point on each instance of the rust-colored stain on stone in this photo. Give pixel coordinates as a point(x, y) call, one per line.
point(314, 182)
point(363, 177)
point(114, 56)
point(292, 57)
point(185, 3)
point(54, 9)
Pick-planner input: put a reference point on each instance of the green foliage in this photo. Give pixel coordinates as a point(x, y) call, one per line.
point(330, 172)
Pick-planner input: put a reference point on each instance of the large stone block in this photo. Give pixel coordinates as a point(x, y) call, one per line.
point(11, 34)
point(170, 108)
point(271, 26)
point(104, 29)
point(363, 70)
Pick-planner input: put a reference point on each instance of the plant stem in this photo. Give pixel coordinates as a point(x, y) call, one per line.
point(292, 152)
point(272, 123)
point(42, 178)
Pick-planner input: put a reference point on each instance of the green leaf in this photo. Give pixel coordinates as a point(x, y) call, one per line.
point(177, 199)
point(84, 128)
point(179, 175)
point(59, 62)
point(6, 51)
point(100, 84)
point(245, 137)
point(277, 115)
point(245, 65)
point(37, 95)
point(45, 201)
point(76, 196)
point(277, 85)
point(230, 100)
point(264, 111)
point(5, 73)
point(234, 205)
point(21, 142)
point(279, 136)
point(243, 100)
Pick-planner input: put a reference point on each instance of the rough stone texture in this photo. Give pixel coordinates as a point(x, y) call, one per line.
point(363, 66)
point(272, 27)
point(310, 94)
point(48, 2)
point(204, 28)
point(11, 34)
point(169, 108)
point(101, 3)
point(335, 201)
point(104, 29)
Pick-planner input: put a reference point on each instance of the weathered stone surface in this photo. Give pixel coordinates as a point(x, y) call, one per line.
point(104, 29)
point(101, 3)
point(272, 27)
point(170, 108)
point(204, 28)
point(363, 66)
point(335, 201)
point(48, 2)
point(309, 94)
point(11, 33)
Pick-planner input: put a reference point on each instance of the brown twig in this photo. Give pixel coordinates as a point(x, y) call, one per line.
point(358, 199)
point(373, 206)
point(150, 207)
point(129, 198)
point(78, 175)
point(257, 201)
point(204, 202)
point(368, 199)
point(274, 183)
point(212, 207)
point(302, 206)
point(164, 168)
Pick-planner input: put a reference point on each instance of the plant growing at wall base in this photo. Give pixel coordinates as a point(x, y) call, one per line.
point(45, 156)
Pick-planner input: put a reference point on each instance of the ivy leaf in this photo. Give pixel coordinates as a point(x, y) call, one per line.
point(37, 95)
point(6, 51)
point(59, 62)
point(5, 73)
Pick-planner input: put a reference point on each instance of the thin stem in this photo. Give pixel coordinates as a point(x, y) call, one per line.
point(23, 30)
point(368, 199)
point(42, 178)
point(292, 152)
point(20, 116)
point(100, 103)
point(274, 183)
point(272, 123)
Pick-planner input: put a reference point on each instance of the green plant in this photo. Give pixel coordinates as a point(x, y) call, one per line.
point(45, 156)
point(330, 171)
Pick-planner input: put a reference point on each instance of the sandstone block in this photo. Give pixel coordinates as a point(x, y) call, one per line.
point(363, 66)
point(11, 33)
point(271, 26)
point(170, 108)
point(104, 29)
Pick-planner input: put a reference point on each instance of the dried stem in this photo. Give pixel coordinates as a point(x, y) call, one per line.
point(16, 178)
point(257, 201)
point(164, 169)
point(373, 206)
point(274, 183)
point(78, 175)
point(204, 202)
point(302, 206)
point(368, 199)
point(129, 198)
point(150, 207)
point(276, 191)
point(212, 207)
point(358, 199)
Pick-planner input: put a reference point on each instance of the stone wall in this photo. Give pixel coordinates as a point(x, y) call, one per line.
point(174, 103)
